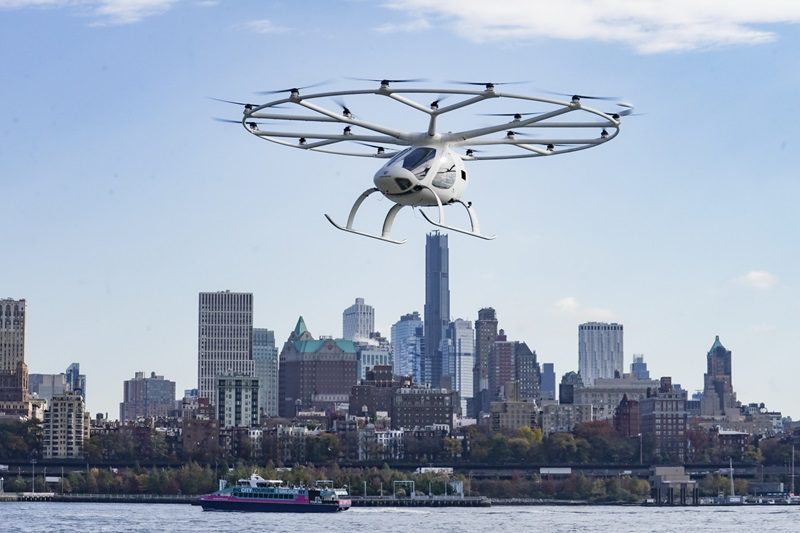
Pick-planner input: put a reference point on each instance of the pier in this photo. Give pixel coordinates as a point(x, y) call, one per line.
point(420, 501)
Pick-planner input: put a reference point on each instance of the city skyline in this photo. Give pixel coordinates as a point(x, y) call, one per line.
point(124, 199)
point(242, 302)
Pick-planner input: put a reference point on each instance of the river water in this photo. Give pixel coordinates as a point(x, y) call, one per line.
point(109, 517)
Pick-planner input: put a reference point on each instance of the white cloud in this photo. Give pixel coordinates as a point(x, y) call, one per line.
point(129, 11)
point(413, 25)
point(758, 279)
point(571, 307)
point(264, 26)
point(649, 26)
point(760, 329)
point(106, 11)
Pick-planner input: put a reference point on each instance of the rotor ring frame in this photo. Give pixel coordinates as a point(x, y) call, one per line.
point(383, 135)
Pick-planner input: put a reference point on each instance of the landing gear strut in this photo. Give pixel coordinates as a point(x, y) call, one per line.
point(385, 235)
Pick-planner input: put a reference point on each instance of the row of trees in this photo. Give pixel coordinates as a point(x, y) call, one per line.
point(194, 479)
point(589, 443)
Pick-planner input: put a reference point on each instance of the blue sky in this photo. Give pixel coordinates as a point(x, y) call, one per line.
point(122, 198)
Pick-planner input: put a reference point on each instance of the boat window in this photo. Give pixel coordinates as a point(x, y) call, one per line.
point(418, 157)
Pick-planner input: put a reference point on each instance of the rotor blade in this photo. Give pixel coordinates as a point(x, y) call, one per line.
point(379, 148)
point(626, 112)
point(582, 96)
point(511, 114)
point(439, 99)
point(513, 133)
point(230, 101)
point(294, 89)
point(487, 83)
point(387, 81)
point(248, 122)
point(341, 103)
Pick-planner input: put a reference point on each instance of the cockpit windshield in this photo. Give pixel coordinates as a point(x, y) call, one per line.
point(418, 157)
point(412, 157)
point(398, 156)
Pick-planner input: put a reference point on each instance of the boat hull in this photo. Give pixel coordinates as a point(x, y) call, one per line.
point(270, 507)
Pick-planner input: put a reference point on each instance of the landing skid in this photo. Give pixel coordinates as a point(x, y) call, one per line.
point(363, 234)
point(475, 230)
point(387, 223)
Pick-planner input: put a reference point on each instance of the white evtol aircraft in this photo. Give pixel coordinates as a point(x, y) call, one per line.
point(424, 169)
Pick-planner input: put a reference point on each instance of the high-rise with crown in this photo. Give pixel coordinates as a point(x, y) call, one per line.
point(225, 339)
point(599, 351)
point(437, 305)
point(358, 321)
point(314, 373)
point(718, 396)
point(13, 371)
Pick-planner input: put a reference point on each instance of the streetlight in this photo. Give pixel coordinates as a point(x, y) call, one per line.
point(33, 471)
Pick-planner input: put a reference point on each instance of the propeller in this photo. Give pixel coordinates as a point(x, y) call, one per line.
point(252, 125)
point(386, 83)
point(490, 85)
point(345, 110)
point(294, 89)
point(380, 149)
point(626, 112)
point(439, 99)
point(578, 97)
point(471, 151)
point(551, 147)
point(517, 116)
point(245, 104)
point(511, 134)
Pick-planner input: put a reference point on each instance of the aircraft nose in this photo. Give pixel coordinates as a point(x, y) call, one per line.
point(394, 180)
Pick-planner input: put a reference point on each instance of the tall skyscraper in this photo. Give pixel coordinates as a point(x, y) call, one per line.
point(527, 372)
point(407, 346)
point(501, 365)
point(76, 382)
point(437, 304)
point(225, 339)
point(639, 367)
point(718, 395)
point(461, 360)
point(13, 371)
point(267, 367)
point(548, 382)
point(485, 335)
point(358, 321)
point(146, 397)
point(599, 351)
